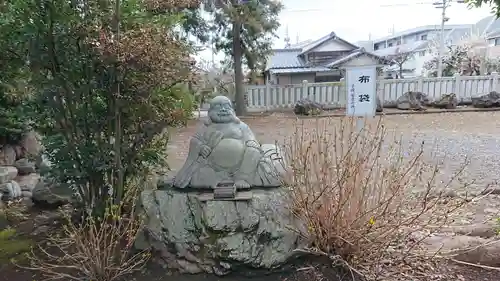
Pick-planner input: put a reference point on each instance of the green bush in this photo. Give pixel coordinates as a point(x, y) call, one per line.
point(101, 103)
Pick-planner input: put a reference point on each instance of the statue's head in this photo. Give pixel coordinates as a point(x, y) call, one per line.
point(221, 110)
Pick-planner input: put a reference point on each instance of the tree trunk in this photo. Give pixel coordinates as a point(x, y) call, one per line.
point(401, 71)
point(240, 107)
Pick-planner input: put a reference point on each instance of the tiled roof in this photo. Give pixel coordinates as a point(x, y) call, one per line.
point(356, 53)
point(301, 70)
point(325, 38)
point(291, 57)
point(285, 58)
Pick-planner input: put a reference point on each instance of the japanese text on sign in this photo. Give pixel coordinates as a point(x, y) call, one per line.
point(361, 91)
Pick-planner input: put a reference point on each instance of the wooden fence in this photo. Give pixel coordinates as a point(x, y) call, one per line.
point(333, 95)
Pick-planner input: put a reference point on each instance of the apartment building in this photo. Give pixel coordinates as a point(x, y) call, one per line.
point(422, 42)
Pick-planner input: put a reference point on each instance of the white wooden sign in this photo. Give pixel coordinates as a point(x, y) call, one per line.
point(361, 86)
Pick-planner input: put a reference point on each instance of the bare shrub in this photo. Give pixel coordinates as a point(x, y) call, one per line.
point(98, 249)
point(363, 195)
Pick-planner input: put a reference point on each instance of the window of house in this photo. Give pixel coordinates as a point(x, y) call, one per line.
point(423, 37)
point(497, 41)
point(375, 47)
point(390, 45)
point(421, 53)
point(398, 42)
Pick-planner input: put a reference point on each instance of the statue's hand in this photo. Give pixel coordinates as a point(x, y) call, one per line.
point(205, 151)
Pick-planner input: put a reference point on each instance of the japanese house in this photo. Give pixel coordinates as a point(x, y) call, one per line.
point(317, 61)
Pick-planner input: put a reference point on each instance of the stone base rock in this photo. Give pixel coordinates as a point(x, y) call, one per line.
point(487, 101)
point(7, 173)
point(412, 101)
point(49, 195)
point(307, 106)
point(448, 101)
point(219, 236)
point(7, 155)
point(25, 167)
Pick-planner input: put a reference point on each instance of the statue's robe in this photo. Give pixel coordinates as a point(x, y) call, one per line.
point(235, 156)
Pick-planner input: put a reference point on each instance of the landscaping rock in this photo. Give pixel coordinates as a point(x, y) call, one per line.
point(487, 101)
point(448, 101)
point(7, 173)
point(28, 182)
point(10, 190)
point(7, 155)
point(218, 237)
point(31, 144)
point(19, 151)
point(42, 164)
point(478, 230)
point(307, 106)
point(412, 101)
point(24, 166)
point(27, 194)
point(47, 194)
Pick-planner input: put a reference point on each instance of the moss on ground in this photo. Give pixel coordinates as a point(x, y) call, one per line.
point(12, 246)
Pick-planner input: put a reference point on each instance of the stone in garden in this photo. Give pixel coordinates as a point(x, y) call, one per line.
point(307, 106)
point(28, 182)
point(10, 190)
point(487, 101)
point(225, 150)
point(448, 101)
point(412, 101)
point(42, 163)
point(31, 144)
point(7, 173)
point(219, 237)
point(7, 155)
point(49, 195)
point(24, 166)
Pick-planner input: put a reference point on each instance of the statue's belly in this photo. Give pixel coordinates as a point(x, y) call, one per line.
point(228, 153)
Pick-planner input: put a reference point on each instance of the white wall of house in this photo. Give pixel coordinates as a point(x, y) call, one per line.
point(333, 45)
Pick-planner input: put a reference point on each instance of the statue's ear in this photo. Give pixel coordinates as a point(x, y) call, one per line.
point(207, 121)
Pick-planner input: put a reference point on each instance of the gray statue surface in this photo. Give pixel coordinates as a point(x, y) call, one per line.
point(225, 150)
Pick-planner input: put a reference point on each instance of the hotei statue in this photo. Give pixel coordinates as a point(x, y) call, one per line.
point(224, 150)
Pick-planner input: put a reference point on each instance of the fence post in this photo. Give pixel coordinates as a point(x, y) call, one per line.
point(265, 97)
point(304, 90)
point(420, 84)
point(494, 84)
point(342, 100)
point(458, 87)
point(381, 91)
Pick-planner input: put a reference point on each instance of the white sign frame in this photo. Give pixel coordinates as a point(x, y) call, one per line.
point(354, 106)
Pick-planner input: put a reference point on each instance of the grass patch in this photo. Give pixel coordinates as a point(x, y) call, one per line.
point(12, 246)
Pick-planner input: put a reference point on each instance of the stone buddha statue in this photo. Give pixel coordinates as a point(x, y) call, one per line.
point(224, 150)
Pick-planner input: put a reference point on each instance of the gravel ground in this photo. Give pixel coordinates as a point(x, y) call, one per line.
point(451, 137)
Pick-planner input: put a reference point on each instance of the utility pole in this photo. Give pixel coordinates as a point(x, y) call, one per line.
point(443, 5)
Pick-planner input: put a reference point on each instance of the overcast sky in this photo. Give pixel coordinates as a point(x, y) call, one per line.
point(355, 20)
